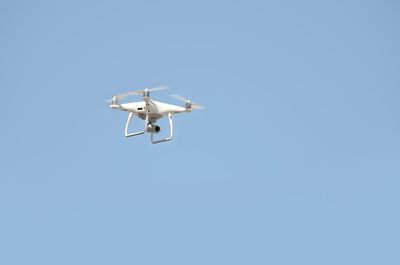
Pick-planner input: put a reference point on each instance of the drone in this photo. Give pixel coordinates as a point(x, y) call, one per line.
point(151, 111)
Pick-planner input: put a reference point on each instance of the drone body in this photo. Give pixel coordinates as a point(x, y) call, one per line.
point(150, 111)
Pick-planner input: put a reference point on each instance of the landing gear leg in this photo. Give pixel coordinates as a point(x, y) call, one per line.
point(171, 131)
point(127, 126)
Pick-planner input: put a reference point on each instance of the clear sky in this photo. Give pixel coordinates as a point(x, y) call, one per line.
point(295, 160)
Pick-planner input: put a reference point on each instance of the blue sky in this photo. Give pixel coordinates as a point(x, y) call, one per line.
point(295, 159)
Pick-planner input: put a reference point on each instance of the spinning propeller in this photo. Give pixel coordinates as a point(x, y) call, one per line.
point(145, 92)
point(188, 104)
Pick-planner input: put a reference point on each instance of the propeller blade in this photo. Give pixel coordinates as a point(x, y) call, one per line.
point(193, 105)
point(139, 92)
point(178, 97)
point(196, 106)
point(158, 88)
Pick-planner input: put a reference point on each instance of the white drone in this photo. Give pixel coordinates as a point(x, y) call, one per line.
point(150, 111)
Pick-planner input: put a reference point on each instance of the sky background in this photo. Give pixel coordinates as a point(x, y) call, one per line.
point(295, 160)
